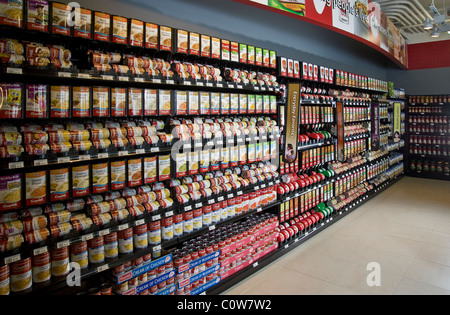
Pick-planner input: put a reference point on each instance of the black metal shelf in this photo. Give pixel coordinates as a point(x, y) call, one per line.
point(300, 239)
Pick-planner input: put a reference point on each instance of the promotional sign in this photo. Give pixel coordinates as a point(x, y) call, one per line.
point(361, 19)
point(340, 132)
point(397, 122)
point(375, 121)
point(292, 123)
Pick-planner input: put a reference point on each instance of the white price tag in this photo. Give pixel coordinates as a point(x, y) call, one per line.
point(156, 81)
point(12, 259)
point(16, 165)
point(14, 70)
point(39, 251)
point(156, 217)
point(153, 150)
point(87, 237)
point(103, 155)
point(139, 222)
point(104, 232)
point(126, 79)
point(84, 157)
point(63, 244)
point(64, 74)
point(84, 76)
point(102, 268)
point(140, 151)
point(123, 227)
point(107, 77)
point(123, 153)
point(41, 162)
point(141, 80)
point(65, 159)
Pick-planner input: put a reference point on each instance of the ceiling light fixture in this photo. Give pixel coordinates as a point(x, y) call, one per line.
point(428, 25)
point(436, 32)
point(438, 24)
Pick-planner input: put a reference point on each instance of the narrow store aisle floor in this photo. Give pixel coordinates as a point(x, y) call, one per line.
point(405, 230)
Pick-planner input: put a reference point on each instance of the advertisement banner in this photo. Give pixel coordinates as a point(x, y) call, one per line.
point(319, 11)
point(397, 122)
point(375, 121)
point(292, 123)
point(360, 18)
point(340, 131)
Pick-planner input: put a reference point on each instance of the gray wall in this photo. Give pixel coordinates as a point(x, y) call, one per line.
point(289, 37)
point(234, 21)
point(422, 82)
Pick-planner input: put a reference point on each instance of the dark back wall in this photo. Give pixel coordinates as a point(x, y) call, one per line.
point(290, 37)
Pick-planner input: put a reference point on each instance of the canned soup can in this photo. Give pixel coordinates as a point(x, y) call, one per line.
point(21, 275)
point(96, 250)
point(41, 268)
point(4, 280)
point(111, 245)
point(126, 241)
point(60, 262)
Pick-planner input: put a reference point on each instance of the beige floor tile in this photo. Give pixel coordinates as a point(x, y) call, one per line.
point(435, 254)
point(406, 229)
point(332, 289)
point(398, 245)
point(317, 265)
point(289, 282)
point(337, 248)
point(389, 261)
point(355, 277)
point(431, 273)
point(438, 238)
point(409, 286)
point(443, 225)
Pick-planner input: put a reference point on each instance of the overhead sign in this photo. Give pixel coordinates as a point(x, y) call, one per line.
point(292, 123)
point(362, 19)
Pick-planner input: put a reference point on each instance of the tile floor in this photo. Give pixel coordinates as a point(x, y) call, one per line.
point(406, 230)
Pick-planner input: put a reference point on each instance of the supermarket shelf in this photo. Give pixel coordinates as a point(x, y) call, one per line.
point(293, 244)
point(429, 175)
point(58, 283)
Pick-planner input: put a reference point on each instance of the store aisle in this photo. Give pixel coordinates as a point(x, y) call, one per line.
point(405, 230)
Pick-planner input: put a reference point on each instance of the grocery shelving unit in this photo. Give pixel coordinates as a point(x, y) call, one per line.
point(428, 134)
point(296, 213)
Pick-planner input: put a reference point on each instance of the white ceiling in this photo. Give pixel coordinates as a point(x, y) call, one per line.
point(410, 15)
